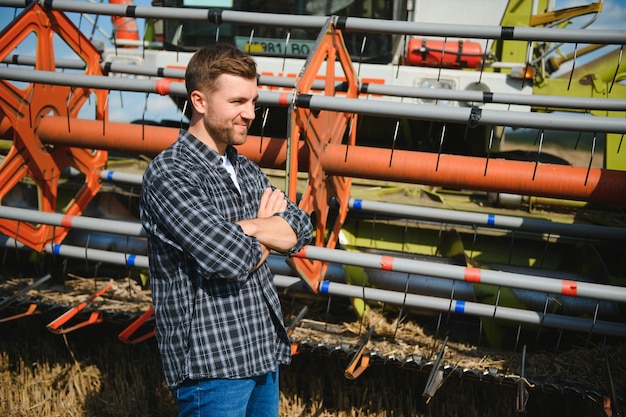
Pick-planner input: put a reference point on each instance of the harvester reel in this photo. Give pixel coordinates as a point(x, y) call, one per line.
point(29, 161)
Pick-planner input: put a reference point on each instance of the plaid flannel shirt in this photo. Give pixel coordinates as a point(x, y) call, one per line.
point(214, 317)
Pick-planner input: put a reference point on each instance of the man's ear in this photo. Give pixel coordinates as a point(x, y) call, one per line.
point(198, 101)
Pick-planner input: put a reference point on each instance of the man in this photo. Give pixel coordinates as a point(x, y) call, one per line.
point(211, 218)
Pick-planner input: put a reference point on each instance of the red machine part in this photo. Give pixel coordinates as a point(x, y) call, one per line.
point(21, 110)
point(444, 53)
point(124, 27)
point(57, 325)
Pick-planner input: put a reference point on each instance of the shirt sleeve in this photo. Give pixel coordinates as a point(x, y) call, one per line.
point(298, 219)
point(300, 222)
point(186, 215)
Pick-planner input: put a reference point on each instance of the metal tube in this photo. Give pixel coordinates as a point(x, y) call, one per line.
point(401, 210)
point(460, 307)
point(30, 60)
point(123, 137)
point(462, 115)
point(159, 86)
point(489, 220)
point(88, 254)
point(365, 107)
point(75, 222)
point(392, 297)
point(352, 24)
point(116, 176)
point(169, 13)
point(473, 275)
point(359, 24)
point(277, 263)
point(561, 102)
point(120, 68)
point(398, 298)
point(497, 221)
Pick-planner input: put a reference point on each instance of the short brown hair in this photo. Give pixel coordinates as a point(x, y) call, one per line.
point(208, 63)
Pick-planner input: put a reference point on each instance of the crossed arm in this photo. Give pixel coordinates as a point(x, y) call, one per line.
point(273, 232)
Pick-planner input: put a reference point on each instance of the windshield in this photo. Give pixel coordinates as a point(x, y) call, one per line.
point(271, 41)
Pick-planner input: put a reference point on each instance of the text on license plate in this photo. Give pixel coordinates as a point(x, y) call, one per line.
point(274, 46)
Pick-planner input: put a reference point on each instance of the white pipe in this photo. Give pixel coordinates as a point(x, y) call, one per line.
point(472, 275)
point(460, 307)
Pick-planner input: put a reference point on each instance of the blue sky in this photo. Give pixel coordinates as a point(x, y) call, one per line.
point(613, 16)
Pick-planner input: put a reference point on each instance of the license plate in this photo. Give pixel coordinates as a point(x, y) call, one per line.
point(274, 46)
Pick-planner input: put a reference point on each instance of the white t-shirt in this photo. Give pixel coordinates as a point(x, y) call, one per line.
point(231, 170)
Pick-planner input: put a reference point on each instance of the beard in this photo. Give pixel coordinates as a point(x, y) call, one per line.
point(224, 132)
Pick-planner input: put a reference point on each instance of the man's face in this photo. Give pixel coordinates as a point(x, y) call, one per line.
point(230, 110)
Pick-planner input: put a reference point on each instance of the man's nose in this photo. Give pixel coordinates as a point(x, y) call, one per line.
point(248, 112)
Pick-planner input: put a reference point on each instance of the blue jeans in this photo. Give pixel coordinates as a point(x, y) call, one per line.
point(246, 397)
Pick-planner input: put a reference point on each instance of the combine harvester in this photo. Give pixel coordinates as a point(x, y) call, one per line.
point(392, 123)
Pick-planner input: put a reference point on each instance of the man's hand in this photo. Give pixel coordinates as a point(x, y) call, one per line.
point(265, 252)
point(272, 201)
point(272, 231)
point(268, 229)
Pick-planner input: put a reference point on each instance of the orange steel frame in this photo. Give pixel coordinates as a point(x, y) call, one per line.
point(318, 130)
point(23, 108)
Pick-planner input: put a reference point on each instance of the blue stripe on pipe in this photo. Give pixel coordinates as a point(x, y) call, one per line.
point(358, 204)
point(130, 261)
point(491, 219)
point(56, 249)
point(459, 306)
point(324, 287)
point(110, 176)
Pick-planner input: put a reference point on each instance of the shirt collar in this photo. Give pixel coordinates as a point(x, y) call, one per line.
point(204, 152)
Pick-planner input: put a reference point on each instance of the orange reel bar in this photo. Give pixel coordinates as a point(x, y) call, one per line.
point(453, 171)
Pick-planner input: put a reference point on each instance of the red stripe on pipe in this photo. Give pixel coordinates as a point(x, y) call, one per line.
point(472, 275)
point(283, 99)
point(66, 221)
point(386, 263)
point(162, 86)
point(569, 288)
point(301, 253)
